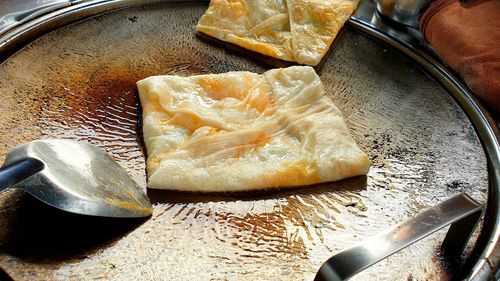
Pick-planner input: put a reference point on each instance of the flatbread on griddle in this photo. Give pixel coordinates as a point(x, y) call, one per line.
point(244, 131)
point(290, 30)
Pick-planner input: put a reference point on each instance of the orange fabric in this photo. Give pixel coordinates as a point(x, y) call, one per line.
point(467, 36)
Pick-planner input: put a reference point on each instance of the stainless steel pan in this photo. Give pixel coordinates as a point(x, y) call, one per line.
point(427, 137)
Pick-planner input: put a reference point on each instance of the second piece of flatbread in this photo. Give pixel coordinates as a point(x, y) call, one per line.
point(291, 30)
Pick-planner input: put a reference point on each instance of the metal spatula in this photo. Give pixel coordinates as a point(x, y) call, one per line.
point(74, 177)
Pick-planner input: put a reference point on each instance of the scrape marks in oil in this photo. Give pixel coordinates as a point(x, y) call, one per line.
point(290, 226)
point(103, 113)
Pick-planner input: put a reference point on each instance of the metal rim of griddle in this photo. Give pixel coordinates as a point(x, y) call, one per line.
point(486, 253)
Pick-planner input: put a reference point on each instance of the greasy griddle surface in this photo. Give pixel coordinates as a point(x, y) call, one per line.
point(79, 82)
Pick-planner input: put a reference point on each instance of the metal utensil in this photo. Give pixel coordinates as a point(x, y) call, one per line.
point(404, 12)
point(15, 12)
point(74, 177)
point(461, 211)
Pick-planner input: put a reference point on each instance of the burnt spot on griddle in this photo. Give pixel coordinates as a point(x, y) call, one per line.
point(458, 185)
point(100, 109)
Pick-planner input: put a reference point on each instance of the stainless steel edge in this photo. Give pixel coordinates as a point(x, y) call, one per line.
point(408, 41)
point(14, 13)
point(461, 211)
point(16, 37)
point(80, 9)
point(487, 251)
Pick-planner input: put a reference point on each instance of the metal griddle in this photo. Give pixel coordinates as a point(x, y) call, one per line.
point(78, 82)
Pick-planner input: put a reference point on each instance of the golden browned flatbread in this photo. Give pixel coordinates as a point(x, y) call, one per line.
point(291, 30)
point(243, 131)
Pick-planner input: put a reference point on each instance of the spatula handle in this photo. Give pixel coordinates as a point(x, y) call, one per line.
point(461, 211)
point(18, 171)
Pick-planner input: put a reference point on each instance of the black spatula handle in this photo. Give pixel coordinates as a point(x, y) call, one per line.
point(18, 171)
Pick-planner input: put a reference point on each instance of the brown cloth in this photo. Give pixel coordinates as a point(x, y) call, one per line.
point(467, 36)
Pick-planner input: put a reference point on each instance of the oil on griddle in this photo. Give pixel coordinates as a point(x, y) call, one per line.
point(78, 82)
